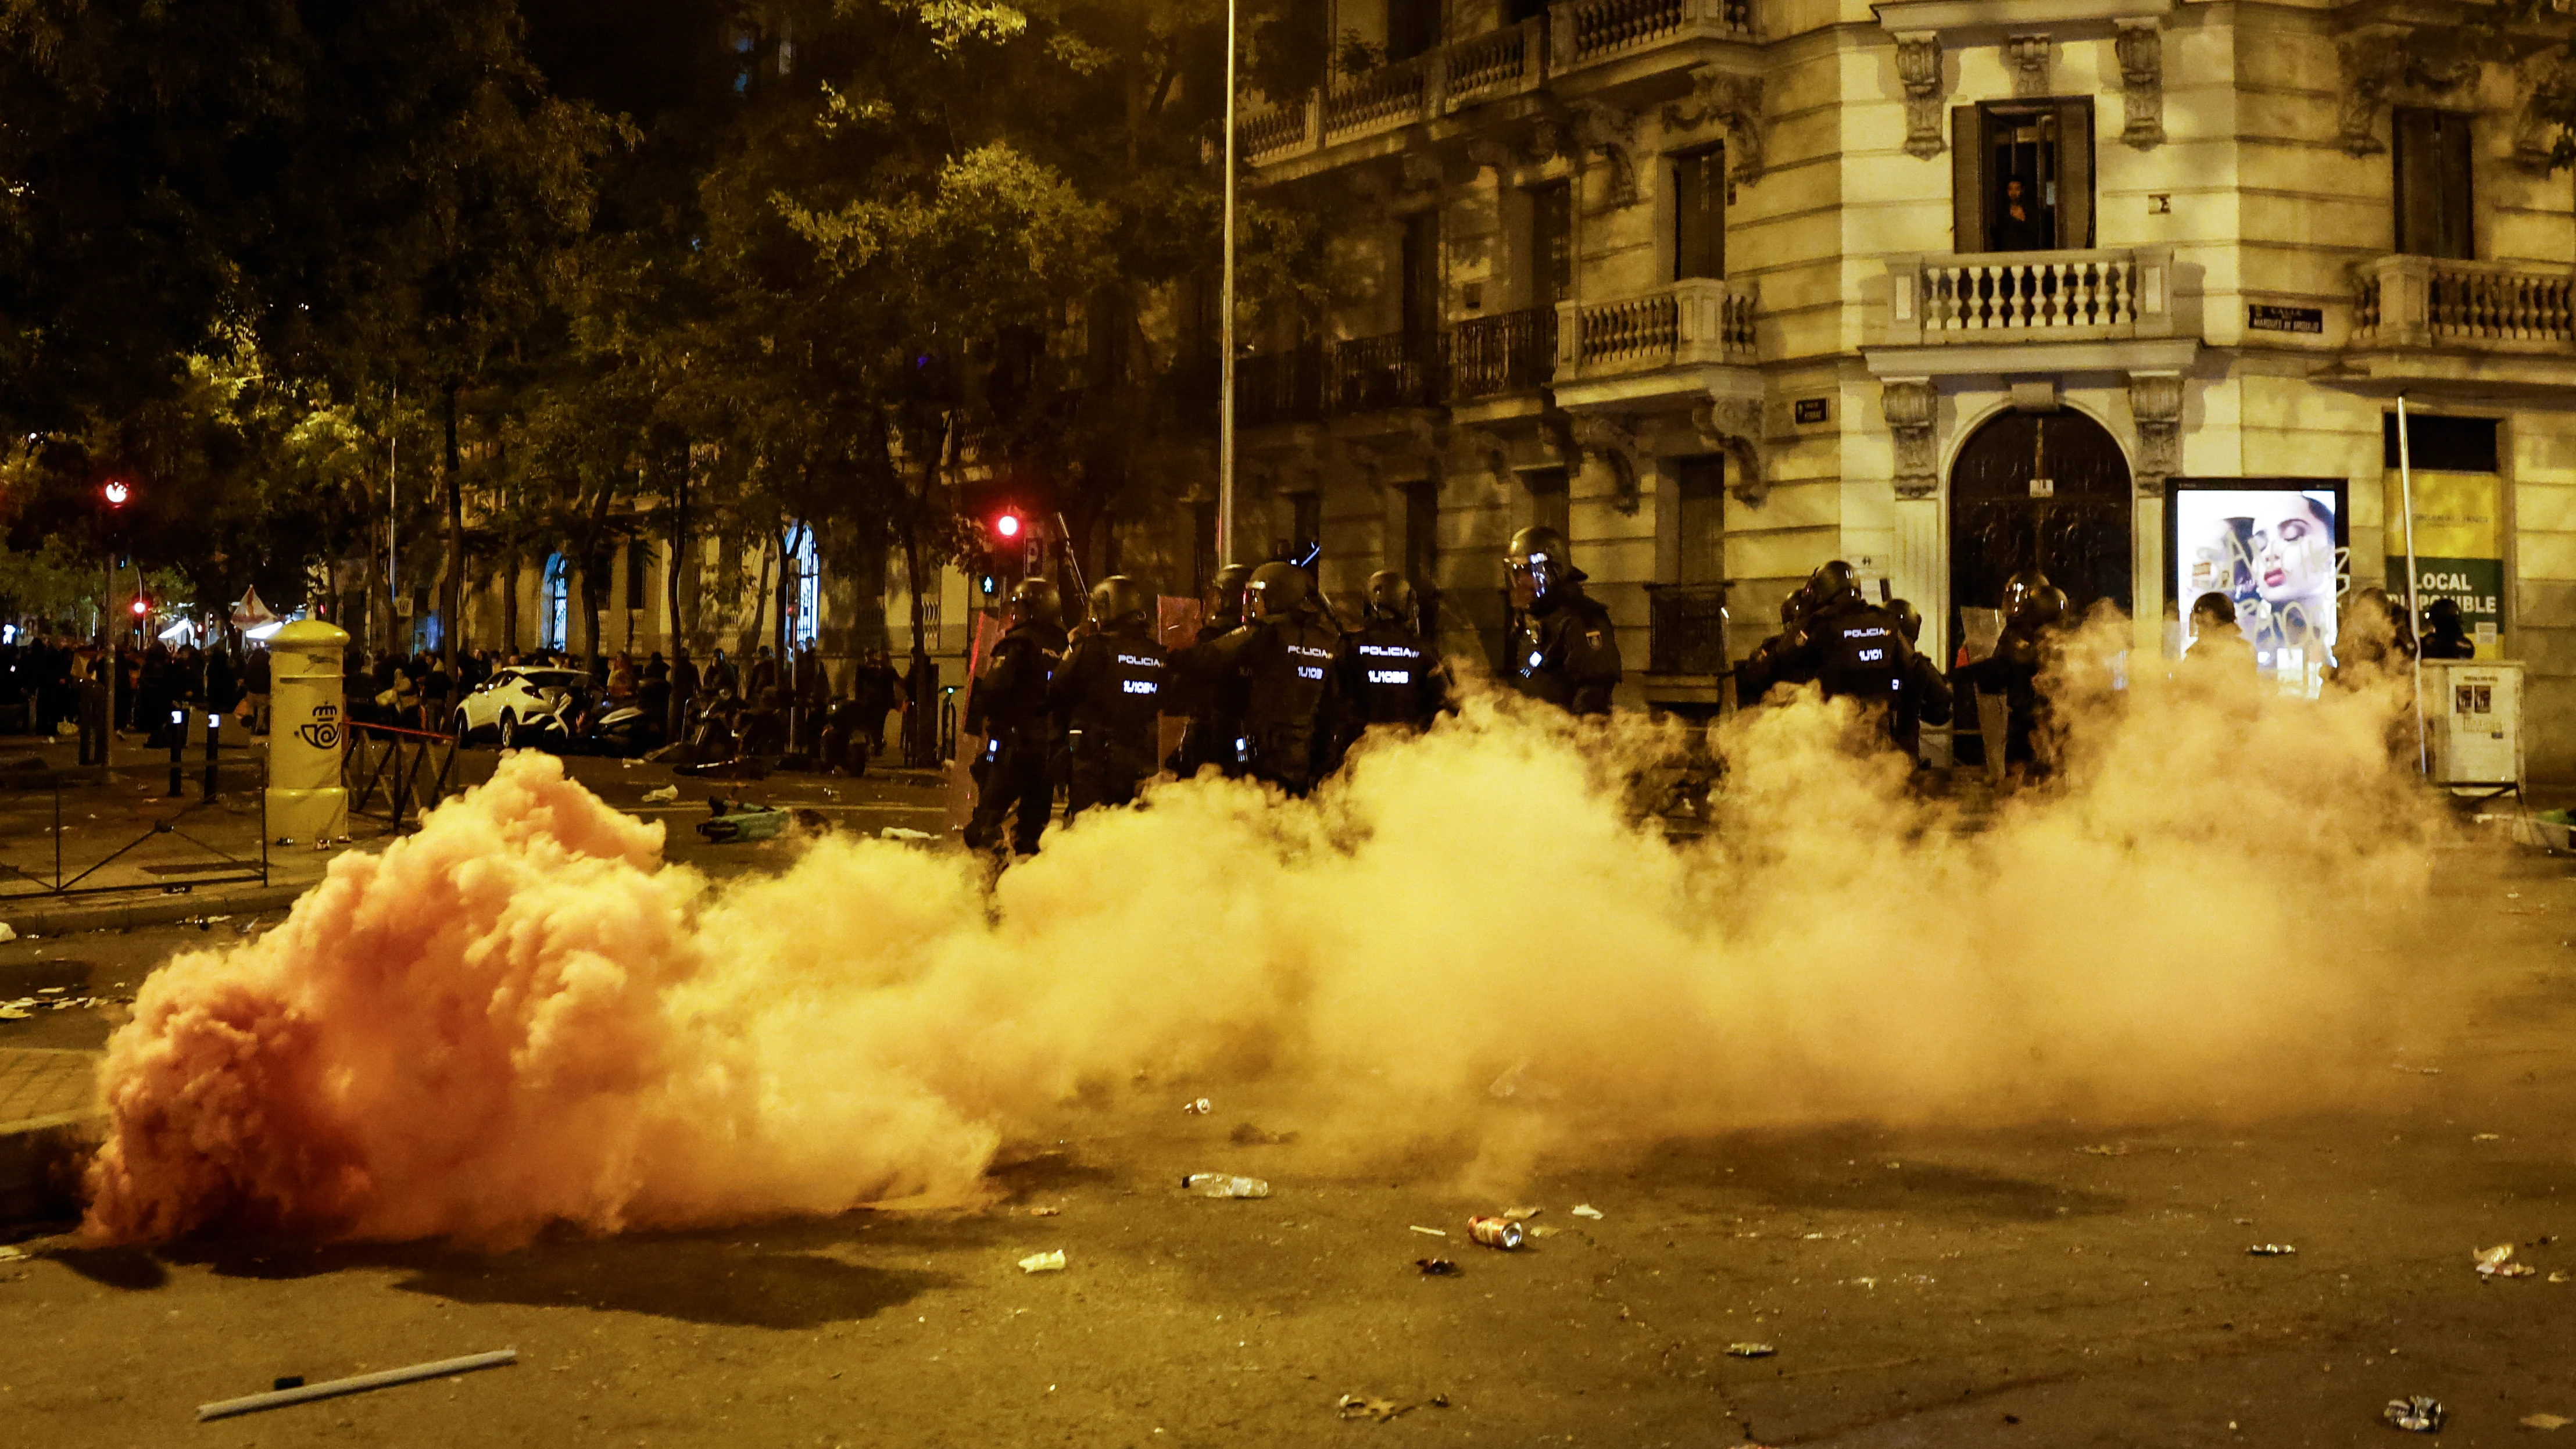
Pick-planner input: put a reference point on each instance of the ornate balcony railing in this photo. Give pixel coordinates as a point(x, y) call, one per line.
point(1698, 320)
point(1279, 387)
point(2067, 296)
point(1589, 30)
point(1687, 633)
point(1511, 59)
point(1397, 370)
point(1388, 96)
point(1511, 352)
point(1281, 128)
point(2405, 301)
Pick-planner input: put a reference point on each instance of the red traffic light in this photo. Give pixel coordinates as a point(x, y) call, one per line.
point(140, 607)
point(1008, 525)
point(116, 494)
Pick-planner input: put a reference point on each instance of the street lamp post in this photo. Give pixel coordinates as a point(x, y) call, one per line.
point(1225, 326)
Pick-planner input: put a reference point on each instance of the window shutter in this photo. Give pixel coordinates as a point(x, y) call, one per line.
point(2075, 176)
point(2459, 222)
point(2418, 166)
point(1967, 180)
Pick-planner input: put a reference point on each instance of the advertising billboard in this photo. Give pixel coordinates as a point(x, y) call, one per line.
point(2275, 548)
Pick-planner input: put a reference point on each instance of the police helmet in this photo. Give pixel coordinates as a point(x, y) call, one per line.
point(1541, 556)
point(1276, 590)
point(2214, 606)
point(2021, 591)
point(2442, 616)
point(1035, 600)
point(1390, 597)
point(1909, 619)
point(1835, 583)
point(1225, 593)
point(1119, 599)
point(2048, 606)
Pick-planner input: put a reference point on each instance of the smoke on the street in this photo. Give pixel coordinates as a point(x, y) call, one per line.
point(520, 1016)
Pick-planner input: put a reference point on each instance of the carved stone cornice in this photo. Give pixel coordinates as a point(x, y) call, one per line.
point(1486, 153)
point(1731, 100)
point(1911, 406)
point(2386, 65)
point(2140, 46)
point(2028, 57)
point(1735, 427)
point(1918, 67)
point(2155, 402)
point(1610, 130)
point(1612, 439)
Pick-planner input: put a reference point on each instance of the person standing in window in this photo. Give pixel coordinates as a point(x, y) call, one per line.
point(2022, 225)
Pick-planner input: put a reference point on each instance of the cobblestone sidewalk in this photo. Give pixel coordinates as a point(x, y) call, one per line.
point(45, 1082)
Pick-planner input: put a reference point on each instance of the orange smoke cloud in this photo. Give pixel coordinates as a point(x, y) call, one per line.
point(521, 1016)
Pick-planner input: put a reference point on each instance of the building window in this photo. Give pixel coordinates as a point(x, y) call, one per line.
point(1412, 27)
point(554, 605)
point(1421, 279)
point(1703, 519)
point(2022, 176)
point(1306, 523)
point(2433, 162)
point(1551, 249)
point(1699, 213)
point(1549, 503)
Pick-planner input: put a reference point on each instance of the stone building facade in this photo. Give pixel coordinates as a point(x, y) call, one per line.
point(1728, 288)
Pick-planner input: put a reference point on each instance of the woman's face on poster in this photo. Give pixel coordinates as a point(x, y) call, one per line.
point(2293, 552)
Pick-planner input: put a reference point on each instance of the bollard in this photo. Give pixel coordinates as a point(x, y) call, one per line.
point(178, 747)
point(214, 733)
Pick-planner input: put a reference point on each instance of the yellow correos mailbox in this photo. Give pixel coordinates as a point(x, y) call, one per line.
point(307, 733)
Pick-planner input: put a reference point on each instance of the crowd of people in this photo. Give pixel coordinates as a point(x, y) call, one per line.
point(1276, 686)
point(43, 681)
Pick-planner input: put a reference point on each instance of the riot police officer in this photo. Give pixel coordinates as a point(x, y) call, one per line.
point(1564, 647)
point(1278, 675)
point(2031, 607)
point(1108, 697)
point(1208, 738)
point(1392, 675)
point(1009, 708)
point(1771, 662)
point(1923, 695)
point(1851, 647)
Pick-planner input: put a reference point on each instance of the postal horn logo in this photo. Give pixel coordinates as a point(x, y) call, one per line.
point(322, 731)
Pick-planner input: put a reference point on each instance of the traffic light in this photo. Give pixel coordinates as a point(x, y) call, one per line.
point(116, 493)
point(1007, 526)
point(987, 585)
point(142, 606)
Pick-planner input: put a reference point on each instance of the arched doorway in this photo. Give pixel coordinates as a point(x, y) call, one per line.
point(2080, 535)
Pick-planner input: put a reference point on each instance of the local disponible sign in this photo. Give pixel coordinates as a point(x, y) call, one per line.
point(2457, 553)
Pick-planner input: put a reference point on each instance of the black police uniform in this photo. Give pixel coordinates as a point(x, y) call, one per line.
point(1565, 650)
point(1924, 699)
point(1284, 672)
point(1108, 699)
point(1214, 710)
point(1009, 707)
point(1393, 676)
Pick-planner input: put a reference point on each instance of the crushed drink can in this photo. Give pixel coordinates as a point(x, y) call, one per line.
point(1495, 1232)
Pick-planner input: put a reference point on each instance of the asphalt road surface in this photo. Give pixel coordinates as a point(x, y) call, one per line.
point(1919, 1287)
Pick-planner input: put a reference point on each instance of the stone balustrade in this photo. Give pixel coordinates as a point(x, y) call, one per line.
point(2408, 301)
point(1694, 321)
point(2069, 296)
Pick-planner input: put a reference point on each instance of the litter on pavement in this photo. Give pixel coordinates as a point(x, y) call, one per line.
point(1357, 1406)
point(662, 796)
point(1199, 1108)
point(1500, 1233)
point(1218, 1184)
point(2416, 1414)
point(2271, 1250)
point(1750, 1350)
point(1586, 1210)
point(1043, 1262)
point(1436, 1267)
point(897, 832)
point(1435, 1232)
point(333, 1388)
point(2497, 1262)
point(2545, 1421)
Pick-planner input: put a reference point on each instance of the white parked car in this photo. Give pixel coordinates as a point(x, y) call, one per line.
point(524, 704)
